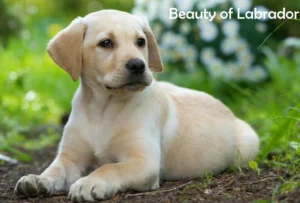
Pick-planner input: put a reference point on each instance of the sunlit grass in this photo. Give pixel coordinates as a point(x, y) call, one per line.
point(33, 91)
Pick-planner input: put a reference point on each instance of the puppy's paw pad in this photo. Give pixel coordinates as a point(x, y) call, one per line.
point(91, 189)
point(33, 185)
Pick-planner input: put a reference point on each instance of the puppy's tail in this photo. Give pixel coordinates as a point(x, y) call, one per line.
point(247, 143)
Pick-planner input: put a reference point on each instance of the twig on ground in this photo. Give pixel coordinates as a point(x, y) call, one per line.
point(62, 200)
point(61, 193)
point(159, 191)
point(225, 186)
point(263, 180)
point(230, 183)
point(253, 182)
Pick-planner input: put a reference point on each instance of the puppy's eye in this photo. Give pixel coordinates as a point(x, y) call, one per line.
point(141, 42)
point(106, 43)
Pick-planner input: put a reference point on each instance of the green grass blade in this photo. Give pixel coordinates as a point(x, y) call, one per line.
point(271, 34)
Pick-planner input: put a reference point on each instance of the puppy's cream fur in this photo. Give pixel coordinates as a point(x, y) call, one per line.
point(138, 134)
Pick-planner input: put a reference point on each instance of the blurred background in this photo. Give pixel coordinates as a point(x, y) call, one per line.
point(223, 57)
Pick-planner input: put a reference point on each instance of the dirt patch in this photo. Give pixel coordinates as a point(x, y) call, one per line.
point(245, 186)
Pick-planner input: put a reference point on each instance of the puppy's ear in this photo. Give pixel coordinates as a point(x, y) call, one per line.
point(154, 59)
point(66, 48)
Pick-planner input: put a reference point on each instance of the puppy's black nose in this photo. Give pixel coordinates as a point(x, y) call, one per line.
point(136, 66)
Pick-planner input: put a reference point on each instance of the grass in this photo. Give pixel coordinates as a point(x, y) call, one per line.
point(33, 92)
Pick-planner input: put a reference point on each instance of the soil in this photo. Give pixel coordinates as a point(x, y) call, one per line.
point(239, 186)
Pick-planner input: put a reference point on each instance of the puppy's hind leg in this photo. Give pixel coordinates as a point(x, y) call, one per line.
point(247, 143)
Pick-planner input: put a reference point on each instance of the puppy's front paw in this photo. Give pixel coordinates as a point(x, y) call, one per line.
point(34, 185)
point(90, 189)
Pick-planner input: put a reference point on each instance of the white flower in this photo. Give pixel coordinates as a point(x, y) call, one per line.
point(168, 39)
point(184, 52)
point(230, 28)
point(207, 55)
point(32, 9)
point(221, 1)
point(242, 45)
point(180, 41)
point(181, 49)
point(140, 2)
point(261, 27)
point(202, 5)
point(208, 31)
point(190, 53)
point(243, 5)
point(152, 10)
point(263, 10)
point(13, 76)
point(215, 68)
point(292, 42)
point(184, 5)
point(31, 95)
point(190, 66)
point(174, 55)
point(169, 55)
point(240, 72)
point(164, 54)
point(173, 40)
point(230, 70)
point(256, 73)
point(235, 71)
point(25, 34)
point(185, 27)
point(36, 106)
point(163, 11)
point(229, 45)
point(202, 23)
point(157, 29)
point(245, 57)
point(208, 4)
point(139, 12)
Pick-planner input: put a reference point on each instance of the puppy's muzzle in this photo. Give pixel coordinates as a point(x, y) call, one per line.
point(135, 66)
point(135, 79)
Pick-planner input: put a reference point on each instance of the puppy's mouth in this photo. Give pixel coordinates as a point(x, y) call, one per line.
point(132, 86)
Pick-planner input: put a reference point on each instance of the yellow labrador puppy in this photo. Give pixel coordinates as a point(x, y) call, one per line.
point(138, 130)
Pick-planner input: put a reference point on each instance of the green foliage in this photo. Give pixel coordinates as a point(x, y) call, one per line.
point(208, 178)
point(254, 166)
point(262, 201)
point(289, 186)
point(29, 83)
point(8, 144)
point(32, 11)
point(33, 91)
point(275, 193)
point(9, 24)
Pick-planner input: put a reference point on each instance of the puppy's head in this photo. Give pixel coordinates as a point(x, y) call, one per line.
point(114, 49)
